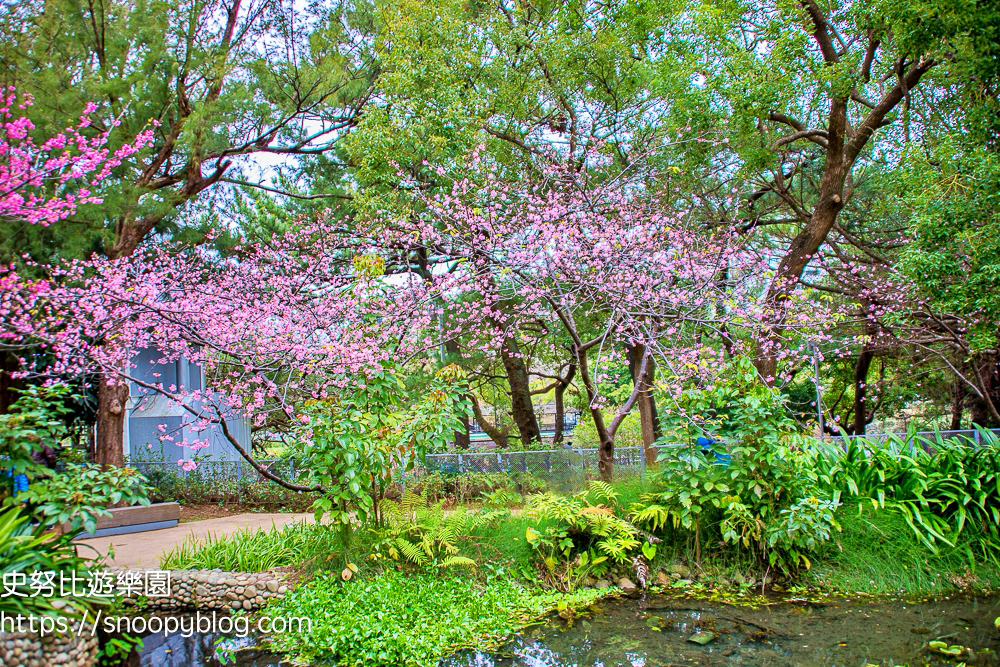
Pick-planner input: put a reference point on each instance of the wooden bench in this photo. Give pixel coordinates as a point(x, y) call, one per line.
point(135, 519)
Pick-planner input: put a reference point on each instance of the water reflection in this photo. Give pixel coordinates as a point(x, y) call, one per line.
point(662, 633)
point(200, 650)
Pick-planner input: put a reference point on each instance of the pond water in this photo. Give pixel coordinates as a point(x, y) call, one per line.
point(662, 632)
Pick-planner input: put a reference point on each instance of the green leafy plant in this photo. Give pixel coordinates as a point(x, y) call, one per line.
point(455, 488)
point(27, 550)
point(943, 488)
point(765, 497)
point(576, 536)
point(414, 618)
point(255, 551)
point(427, 536)
point(77, 494)
point(360, 436)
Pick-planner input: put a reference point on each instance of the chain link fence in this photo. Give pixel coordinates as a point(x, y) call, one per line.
point(556, 466)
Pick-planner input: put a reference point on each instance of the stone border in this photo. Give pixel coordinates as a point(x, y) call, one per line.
point(24, 649)
point(192, 590)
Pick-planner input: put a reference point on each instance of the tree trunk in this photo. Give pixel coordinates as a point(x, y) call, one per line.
point(564, 382)
point(957, 405)
point(498, 436)
point(984, 408)
point(861, 390)
point(522, 409)
point(647, 403)
point(112, 401)
point(9, 385)
point(844, 143)
point(605, 440)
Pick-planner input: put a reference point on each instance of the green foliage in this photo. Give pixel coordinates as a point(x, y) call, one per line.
point(361, 435)
point(473, 486)
point(877, 553)
point(945, 492)
point(78, 493)
point(411, 619)
point(255, 551)
point(34, 422)
point(953, 257)
point(27, 550)
point(765, 498)
point(575, 535)
point(412, 532)
point(197, 487)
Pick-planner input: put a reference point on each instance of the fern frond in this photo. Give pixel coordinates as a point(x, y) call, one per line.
point(654, 516)
point(597, 510)
point(412, 552)
point(411, 502)
point(457, 561)
point(602, 491)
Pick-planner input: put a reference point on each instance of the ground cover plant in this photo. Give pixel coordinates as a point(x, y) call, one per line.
point(412, 618)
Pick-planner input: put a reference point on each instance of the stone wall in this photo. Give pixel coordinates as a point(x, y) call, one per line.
point(190, 590)
point(24, 649)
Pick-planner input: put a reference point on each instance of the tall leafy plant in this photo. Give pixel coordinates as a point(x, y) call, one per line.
point(766, 496)
point(945, 488)
point(365, 433)
point(74, 494)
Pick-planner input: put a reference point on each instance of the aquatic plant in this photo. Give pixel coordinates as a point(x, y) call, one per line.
point(396, 618)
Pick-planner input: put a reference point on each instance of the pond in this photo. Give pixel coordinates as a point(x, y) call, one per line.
point(665, 631)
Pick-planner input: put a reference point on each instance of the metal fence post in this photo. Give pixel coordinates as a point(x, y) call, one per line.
point(642, 465)
point(460, 470)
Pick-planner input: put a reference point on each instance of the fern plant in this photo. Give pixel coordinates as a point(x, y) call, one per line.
point(581, 534)
point(427, 535)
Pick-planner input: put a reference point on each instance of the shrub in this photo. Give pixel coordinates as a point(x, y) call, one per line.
point(576, 535)
point(197, 487)
point(767, 498)
point(74, 493)
point(456, 488)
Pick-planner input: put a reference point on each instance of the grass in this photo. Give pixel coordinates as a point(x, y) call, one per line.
point(293, 545)
point(878, 553)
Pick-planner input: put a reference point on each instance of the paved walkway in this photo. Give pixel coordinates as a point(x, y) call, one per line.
point(145, 549)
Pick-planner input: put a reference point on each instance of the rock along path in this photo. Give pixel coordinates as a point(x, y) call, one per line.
point(145, 549)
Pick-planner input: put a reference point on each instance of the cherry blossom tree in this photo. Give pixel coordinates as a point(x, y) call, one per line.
point(43, 183)
point(274, 326)
point(615, 266)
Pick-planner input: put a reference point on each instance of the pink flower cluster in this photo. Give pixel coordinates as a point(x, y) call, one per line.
point(44, 183)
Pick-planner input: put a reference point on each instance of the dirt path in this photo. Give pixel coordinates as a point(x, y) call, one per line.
point(145, 549)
